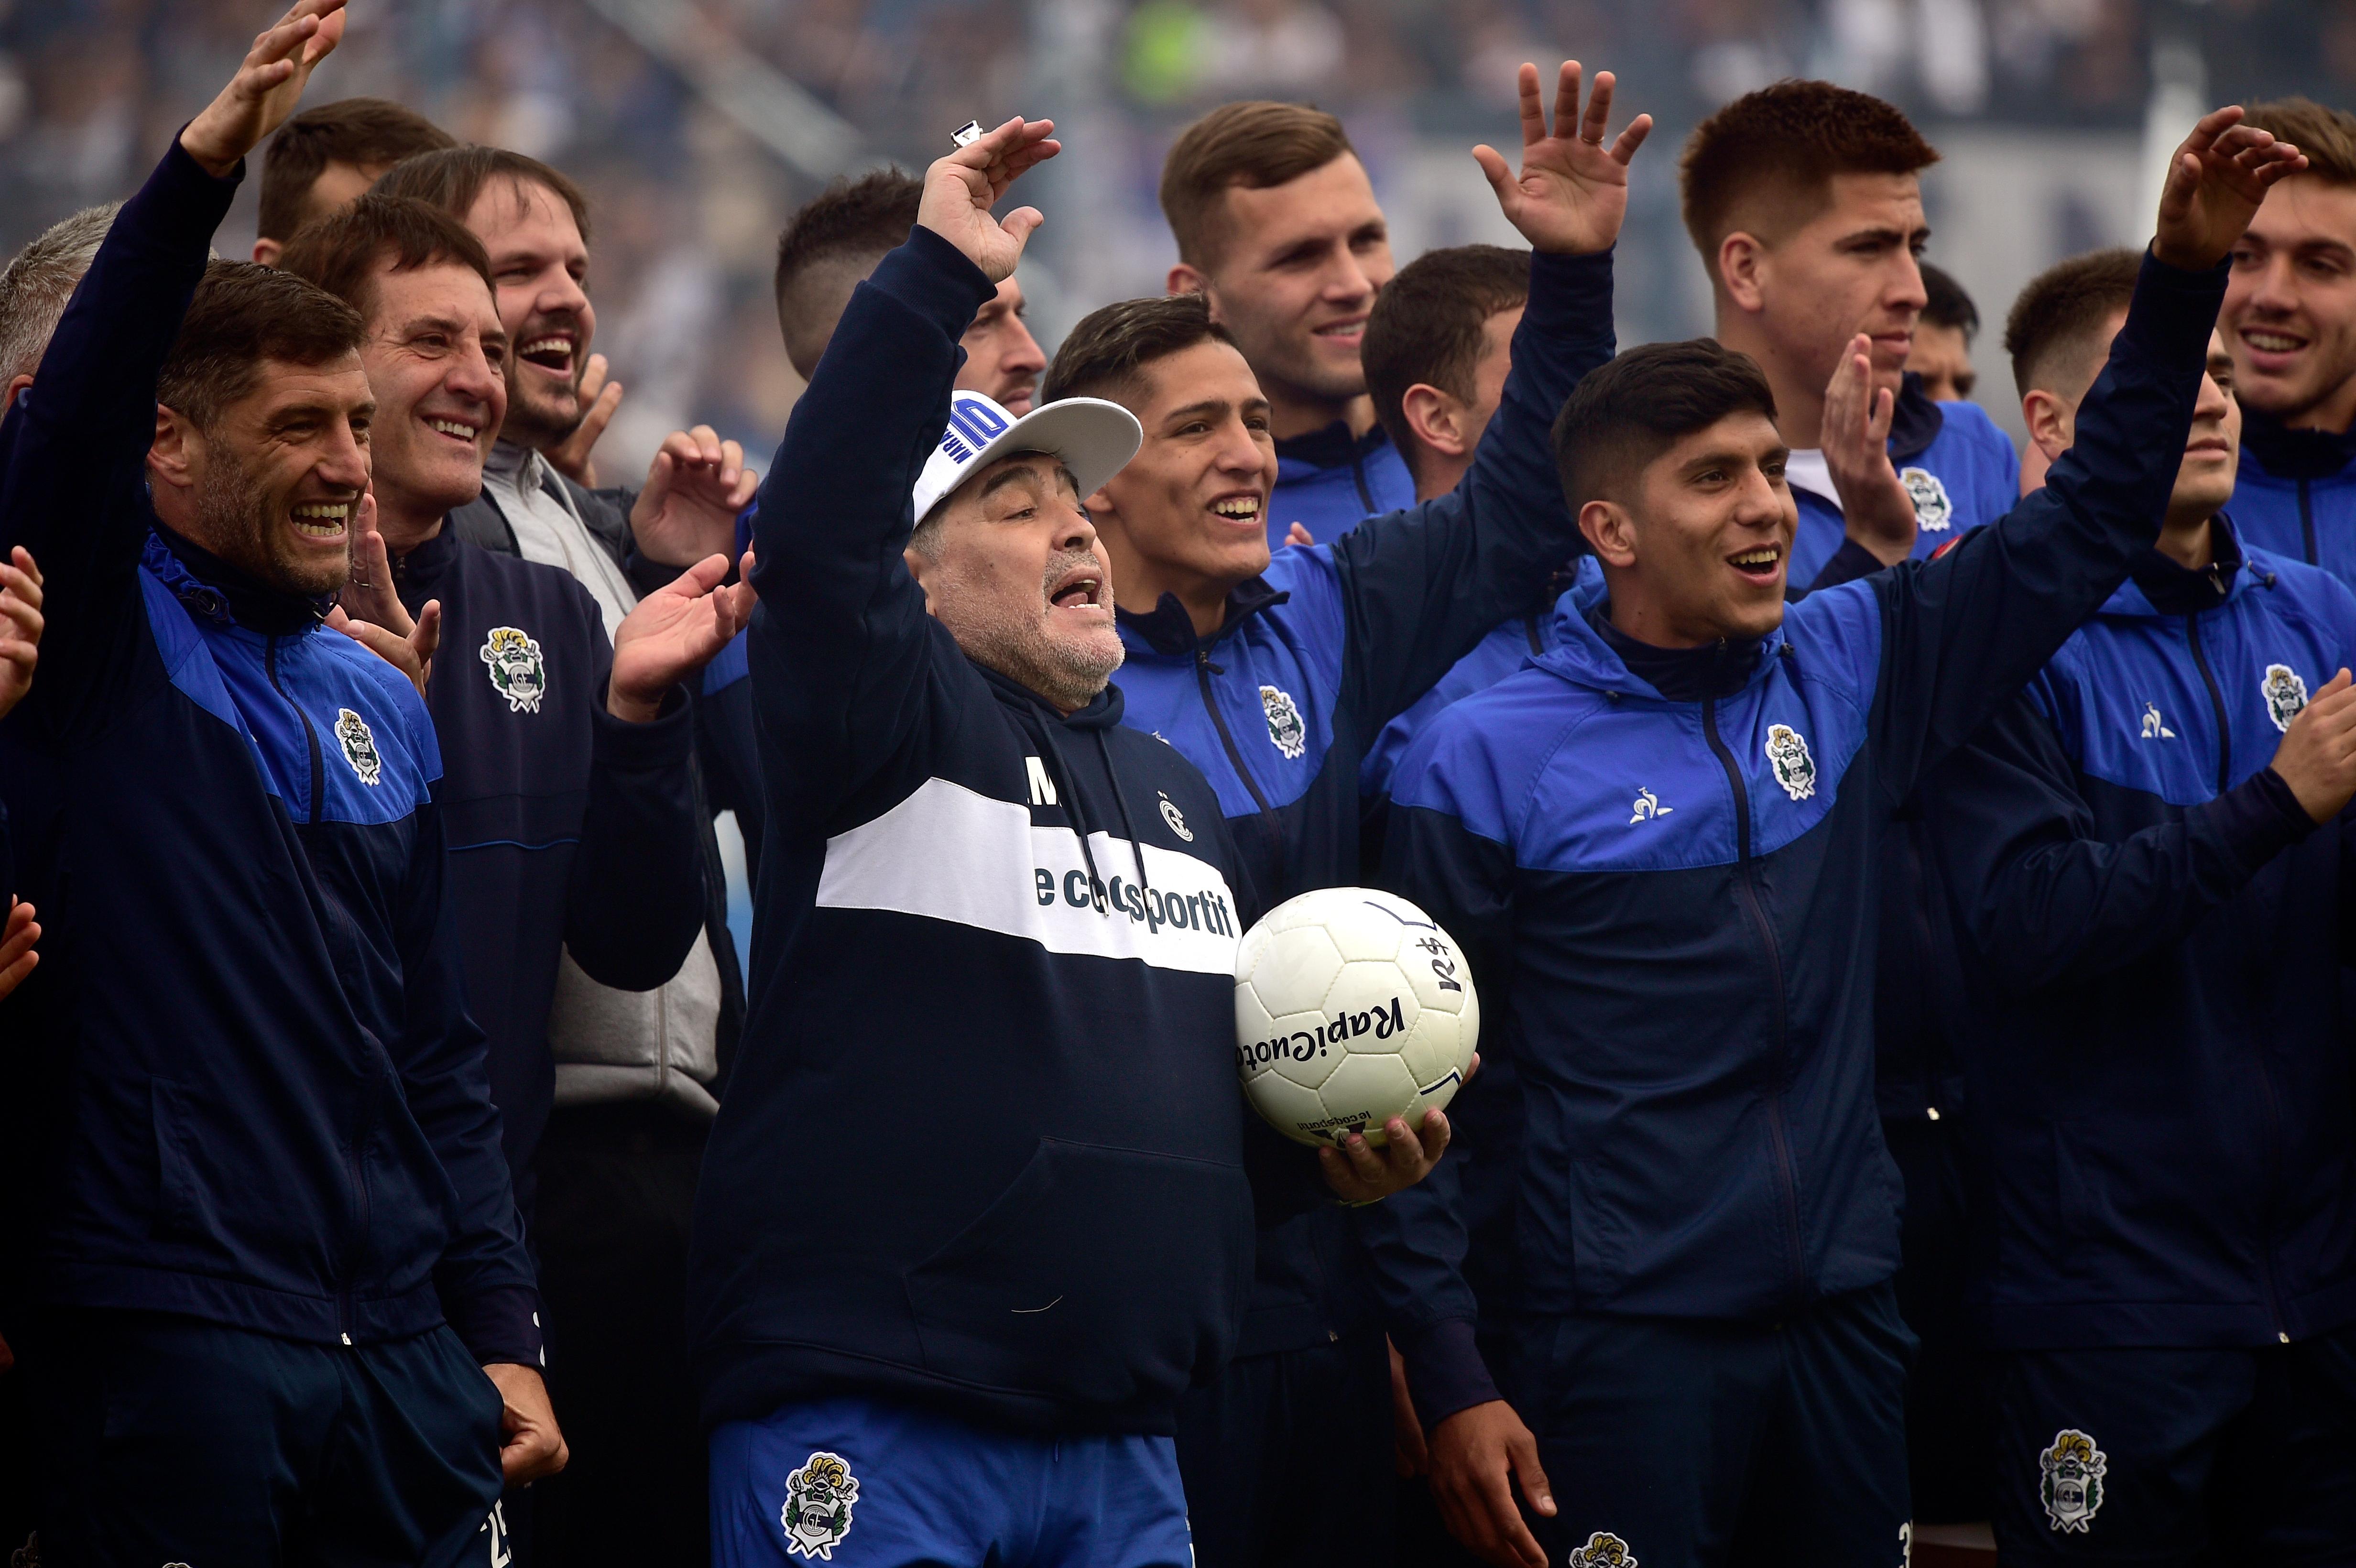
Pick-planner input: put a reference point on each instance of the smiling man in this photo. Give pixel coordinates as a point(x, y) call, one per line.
point(1278, 230)
point(2290, 322)
point(1805, 202)
point(1661, 845)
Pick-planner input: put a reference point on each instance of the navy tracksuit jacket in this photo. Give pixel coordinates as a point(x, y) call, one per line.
point(568, 828)
point(2159, 1068)
point(1670, 906)
point(1960, 469)
point(2294, 497)
point(1329, 481)
point(241, 1086)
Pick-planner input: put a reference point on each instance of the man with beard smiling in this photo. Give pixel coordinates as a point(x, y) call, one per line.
point(257, 1212)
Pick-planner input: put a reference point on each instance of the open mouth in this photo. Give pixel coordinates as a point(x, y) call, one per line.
point(1077, 591)
point(2266, 340)
point(456, 429)
point(1237, 508)
point(552, 353)
point(322, 519)
point(1350, 330)
point(1759, 564)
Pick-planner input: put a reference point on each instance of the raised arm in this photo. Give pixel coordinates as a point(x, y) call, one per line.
point(840, 647)
point(1425, 584)
point(1960, 635)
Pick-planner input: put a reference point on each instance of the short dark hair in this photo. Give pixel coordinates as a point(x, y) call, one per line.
point(2328, 136)
point(372, 132)
point(344, 251)
point(2060, 314)
point(1427, 326)
point(452, 179)
point(859, 221)
point(1254, 144)
point(1106, 355)
point(1779, 148)
point(1625, 414)
point(243, 314)
point(1948, 304)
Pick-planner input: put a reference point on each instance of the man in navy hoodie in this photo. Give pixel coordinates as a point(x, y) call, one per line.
point(265, 1266)
point(974, 1215)
point(2152, 868)
point(1661, 846)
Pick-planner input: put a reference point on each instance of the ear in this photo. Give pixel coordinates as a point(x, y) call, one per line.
point(1184, 279)
point(919, 569)
point(267, 252)
point(16, 385)
point(1742, 263)
point(1610, 532)
point(2051, 422)
point(176, 452)
point(1435, 418)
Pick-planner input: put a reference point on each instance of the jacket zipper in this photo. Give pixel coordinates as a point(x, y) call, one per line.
point(2216, 703)
point(1530, 626)
point(1358, 472)
point(310, 735)
point(2307, 522)
point(1235, 757)
point(1787, 1178)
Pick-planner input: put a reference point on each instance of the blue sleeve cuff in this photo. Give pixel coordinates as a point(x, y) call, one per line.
point(933, 278)
point(501, 1324)
point(1445, 1372)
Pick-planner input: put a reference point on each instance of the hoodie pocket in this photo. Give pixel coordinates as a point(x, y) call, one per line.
point(1099, 1276)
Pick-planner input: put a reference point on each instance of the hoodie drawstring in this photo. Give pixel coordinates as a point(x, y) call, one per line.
point(1072, 809)
point(1120, 802)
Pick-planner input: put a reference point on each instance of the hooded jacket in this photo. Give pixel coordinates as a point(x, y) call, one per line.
point(2160, 1078)
point(982, 1145)
point(1668, 894)
point(1958, 467)
point(241, 1086)
point(2294, 497)
point(1329, 481)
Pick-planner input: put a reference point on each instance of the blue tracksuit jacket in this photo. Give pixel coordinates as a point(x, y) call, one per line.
point(242, 1085)
point(2296, 495)
point(2158, 1064)
point(1671, 905)
point(1960, 468)
point(1329, 482)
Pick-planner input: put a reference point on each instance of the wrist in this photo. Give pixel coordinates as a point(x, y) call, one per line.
point(632, 708)
point(207, 155)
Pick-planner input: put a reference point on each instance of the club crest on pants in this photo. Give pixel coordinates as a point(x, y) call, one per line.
point(1787, 749)
point(2072, 1489)
point(1603, 1550)
point(1284, 725)
point(817, 1514)
point(1932, 510)
point(2286, 694)
point(517, 671)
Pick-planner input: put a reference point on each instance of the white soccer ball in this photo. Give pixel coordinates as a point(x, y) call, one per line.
point(1352, 1007)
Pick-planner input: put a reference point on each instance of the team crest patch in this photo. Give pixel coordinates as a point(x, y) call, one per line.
point(817, 1514)
point(2072, 1488)
point(2286, 694)
point(1284, 725)
point(1932, 510)
point(1603, 1550)
point(517, 672)
point(1176, 819)
point(358, 743)
point(1787, 749)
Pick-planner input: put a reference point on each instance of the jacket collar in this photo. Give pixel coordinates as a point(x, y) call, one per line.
point(2289, 453)
point(2159, 586)
point(1916, 421)
point(212, 590)
point(1103, 712)
point(1331, 447)
point(1596, 655)
point(1168, 629)
point(425, 562)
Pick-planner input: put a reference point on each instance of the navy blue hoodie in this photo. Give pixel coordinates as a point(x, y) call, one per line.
point(1669, 896)
point(240, 1085)
point(2156, 929)
point(1329, 482)
point(983, 1148)
point(2295, 495)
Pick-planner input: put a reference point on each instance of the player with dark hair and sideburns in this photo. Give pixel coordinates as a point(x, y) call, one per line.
point(1660, 846)
point(263, 1267)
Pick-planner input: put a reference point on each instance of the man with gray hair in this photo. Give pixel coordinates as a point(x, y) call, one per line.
point(35, 288)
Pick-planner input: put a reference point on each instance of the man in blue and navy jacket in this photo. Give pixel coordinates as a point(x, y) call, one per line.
point(1274, 674)
point(1660, 847)
point(2151, 867)
point(256, 1204)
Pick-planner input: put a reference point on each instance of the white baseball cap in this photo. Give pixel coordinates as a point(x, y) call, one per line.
point(1095, 439)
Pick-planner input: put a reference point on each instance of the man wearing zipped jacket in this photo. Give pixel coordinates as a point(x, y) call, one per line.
point(257, 1208)
point(974, 1214)
point(1660, 847)
point(2151, 867)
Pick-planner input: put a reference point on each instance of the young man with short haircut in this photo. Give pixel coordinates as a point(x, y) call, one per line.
point(1806, 203)
point(326, 156)
point(2290, 323)
point(1661, 846)
point(2166, 1258)
point(1942, 351)
point(1273, 674)
point(257, 1213)
point(1278, 229)
point(975, 1214)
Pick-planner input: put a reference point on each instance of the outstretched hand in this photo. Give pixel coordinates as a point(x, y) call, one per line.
point(2220, 175)
point(1876, 510)
point(675, 632)
point(695, 487)
point(1572, 193)
point(960, 190)
point(268, 85)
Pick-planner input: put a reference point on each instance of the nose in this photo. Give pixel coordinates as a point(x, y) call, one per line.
point(345, 463)
point(1023, 353)
point(1347, 282)
point(2272, 292)
point(562, 294)
point(1909, 293)
point(1757, 504)
point(2211, 405)
point(472, 378)
point(1238, 452)
point(1079, 536)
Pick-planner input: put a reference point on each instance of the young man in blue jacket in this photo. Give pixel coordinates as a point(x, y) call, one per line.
point(257, 1208)
point(2151, 870)
point(1661, 847)
point(974, 1215)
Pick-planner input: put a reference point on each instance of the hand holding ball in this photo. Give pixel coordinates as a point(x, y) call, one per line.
point(1352, 1007)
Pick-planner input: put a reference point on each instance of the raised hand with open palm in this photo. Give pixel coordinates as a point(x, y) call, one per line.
point(1572, 191)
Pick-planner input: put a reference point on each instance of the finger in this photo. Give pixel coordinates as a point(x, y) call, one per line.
point(732, 463)
point(427, 638)
point(1020, 224)
point(23, 586)
point(1296, 534)
point(1404, 1151)
point(1527, 104)
point(1885, 409)
point(1498, 174)
point(707, 444)
point(702, 578)
point(1599, 109)
point(1436, 1133)
point(2183, 179)
point(745, 569)
point(1365, 1163)
point(600, 415)
point(748, 485)
point(593, 377)
point(22, 559)
point(2280, 167)
point(1504, 1529)
point(23, 614)
point(2211, 125)
point(1631, 139)
point(1566, 99)
point(1521, 1449)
